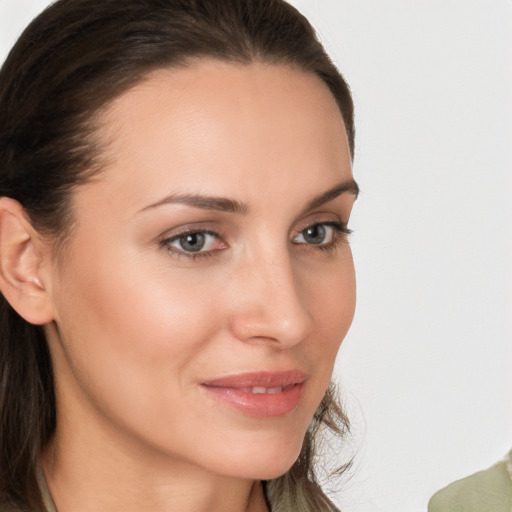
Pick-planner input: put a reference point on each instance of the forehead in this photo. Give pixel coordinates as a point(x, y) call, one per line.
point(225, 127)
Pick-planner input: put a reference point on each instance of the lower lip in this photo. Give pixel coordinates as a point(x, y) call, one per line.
point(263, 405)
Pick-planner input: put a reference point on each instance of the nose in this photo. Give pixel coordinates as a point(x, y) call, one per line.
point(269, 303)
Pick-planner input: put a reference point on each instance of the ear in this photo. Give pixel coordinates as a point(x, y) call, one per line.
point(21, 258)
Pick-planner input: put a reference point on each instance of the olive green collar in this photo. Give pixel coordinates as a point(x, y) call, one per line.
point(45, 492)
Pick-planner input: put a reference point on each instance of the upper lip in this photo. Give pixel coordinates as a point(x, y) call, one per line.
point(259, 379)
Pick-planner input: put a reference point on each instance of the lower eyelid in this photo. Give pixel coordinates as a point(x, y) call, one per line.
point(340, 237)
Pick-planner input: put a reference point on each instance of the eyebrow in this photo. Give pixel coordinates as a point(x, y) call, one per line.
point(349, 186)
point(203, 202)
point(224, 204)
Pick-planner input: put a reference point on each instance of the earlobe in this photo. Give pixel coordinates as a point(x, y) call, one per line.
point(20, 262)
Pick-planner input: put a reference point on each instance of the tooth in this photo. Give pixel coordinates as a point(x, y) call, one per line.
point(259, 390)
point(275, 390)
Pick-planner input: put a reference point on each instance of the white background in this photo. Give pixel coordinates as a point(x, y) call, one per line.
point(426, 368)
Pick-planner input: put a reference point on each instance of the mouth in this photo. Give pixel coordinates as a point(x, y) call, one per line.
point(259, 394)
point(265, 391)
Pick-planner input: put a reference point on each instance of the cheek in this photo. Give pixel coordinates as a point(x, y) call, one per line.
point(332, 299)
point(128, 332)
point(141, 304)
point(135, 336)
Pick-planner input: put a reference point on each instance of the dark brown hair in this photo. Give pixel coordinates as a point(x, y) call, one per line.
point(68, 65)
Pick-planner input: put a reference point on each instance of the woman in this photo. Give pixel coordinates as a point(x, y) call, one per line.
point(175, 190)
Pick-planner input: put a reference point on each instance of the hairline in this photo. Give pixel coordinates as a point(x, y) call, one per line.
point(98, 138)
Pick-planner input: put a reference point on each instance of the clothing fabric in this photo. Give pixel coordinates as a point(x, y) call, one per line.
point(45, 492)
point(485, 491)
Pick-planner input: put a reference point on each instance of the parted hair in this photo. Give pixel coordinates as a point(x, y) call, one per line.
point(70, 63)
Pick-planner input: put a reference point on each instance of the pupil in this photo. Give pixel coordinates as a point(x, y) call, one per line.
point(314, 234)
point(192, 242)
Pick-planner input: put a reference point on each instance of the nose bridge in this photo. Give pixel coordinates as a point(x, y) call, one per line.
point(271, 302)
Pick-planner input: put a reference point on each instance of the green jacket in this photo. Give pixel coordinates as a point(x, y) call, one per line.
point(485, 491)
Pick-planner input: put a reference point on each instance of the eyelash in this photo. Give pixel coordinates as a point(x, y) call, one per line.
point(166, 243)
point(341, 234)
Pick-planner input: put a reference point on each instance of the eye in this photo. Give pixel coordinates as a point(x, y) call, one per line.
point(193, 242)
point(321, 234)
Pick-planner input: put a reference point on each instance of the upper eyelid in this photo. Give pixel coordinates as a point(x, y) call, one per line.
point(339, 227)
point(337, 222)
point(190, 232)
point(205, 227)
point(168, 240)
point(184, 229)
point(166, 243)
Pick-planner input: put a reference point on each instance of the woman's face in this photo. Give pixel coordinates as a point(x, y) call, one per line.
point(208, 281)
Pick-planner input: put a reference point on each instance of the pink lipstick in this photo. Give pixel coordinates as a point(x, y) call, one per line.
point(263, 394)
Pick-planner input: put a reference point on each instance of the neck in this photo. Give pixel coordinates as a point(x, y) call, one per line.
point(90, 473)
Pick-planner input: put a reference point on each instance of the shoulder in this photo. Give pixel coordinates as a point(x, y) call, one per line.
point(485, 491)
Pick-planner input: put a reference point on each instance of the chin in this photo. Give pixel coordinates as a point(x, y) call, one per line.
point(273, 471)
point(269, 469)
point(264, 462)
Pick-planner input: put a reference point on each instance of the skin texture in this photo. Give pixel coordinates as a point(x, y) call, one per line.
point(136, 326)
